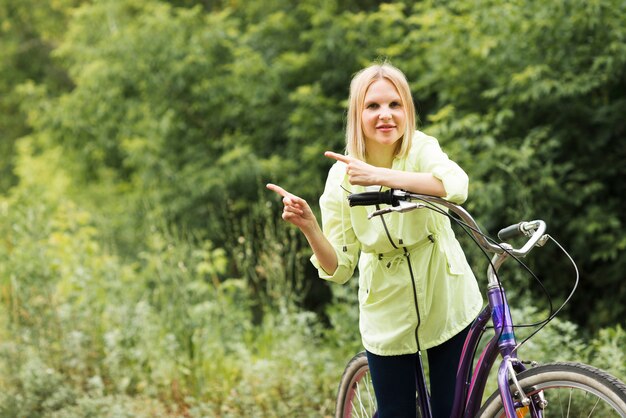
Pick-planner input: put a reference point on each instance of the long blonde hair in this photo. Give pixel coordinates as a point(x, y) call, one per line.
point(355, 140)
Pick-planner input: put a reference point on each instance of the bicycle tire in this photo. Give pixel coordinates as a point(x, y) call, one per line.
point(355, 395)
point(570, 389)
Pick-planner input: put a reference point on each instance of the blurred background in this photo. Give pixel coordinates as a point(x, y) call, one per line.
point(144, 269)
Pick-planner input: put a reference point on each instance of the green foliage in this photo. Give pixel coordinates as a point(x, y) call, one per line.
point(88, 330)
point(606, 350)
point(28, 34)
point(527, 97)
point(43, 392)
point(145, 272)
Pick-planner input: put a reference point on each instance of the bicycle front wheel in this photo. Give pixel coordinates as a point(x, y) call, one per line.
point(355, 397)
point(569, 390)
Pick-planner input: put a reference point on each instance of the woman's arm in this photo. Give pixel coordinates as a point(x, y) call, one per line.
point(422, 183)
point(297, 212)
point(363, 174)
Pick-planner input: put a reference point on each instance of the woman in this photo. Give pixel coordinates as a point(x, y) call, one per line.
point(416, 290)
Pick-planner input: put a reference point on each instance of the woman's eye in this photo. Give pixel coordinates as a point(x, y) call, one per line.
point(395, 104)
point(372, 106)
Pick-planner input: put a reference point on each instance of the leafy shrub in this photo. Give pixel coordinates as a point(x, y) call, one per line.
point(37, 391)
point(606, 351)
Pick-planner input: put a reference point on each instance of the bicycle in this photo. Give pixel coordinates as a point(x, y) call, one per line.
point(546, 390)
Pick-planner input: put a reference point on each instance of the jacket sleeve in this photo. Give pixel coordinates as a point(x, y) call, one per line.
point(337, 227)
point(427, 156)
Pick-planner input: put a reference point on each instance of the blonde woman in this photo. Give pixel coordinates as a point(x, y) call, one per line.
point(416, 290)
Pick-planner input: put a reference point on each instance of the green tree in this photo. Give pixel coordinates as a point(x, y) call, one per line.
point(29, 31)
point(529, 95)
point(187, 111)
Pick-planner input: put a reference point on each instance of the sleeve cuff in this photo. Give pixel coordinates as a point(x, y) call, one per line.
point(455, 183)
point(342, 273)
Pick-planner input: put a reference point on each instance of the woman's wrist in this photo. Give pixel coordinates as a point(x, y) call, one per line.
point(311, 230)
point(382, 176)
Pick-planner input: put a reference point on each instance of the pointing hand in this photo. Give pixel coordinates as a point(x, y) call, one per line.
point(296, 210)
point(359, 172)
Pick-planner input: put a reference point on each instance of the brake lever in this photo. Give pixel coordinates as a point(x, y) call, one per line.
point(529, 229)
point(536, 231)
point(402, 207)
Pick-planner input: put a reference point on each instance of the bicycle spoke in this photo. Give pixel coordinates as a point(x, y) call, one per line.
point(358, 394)
point(369, 394)
point(569, 403)
point(594, 407)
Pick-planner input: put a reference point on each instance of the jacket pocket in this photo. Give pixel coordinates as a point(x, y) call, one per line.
point(455, 258)
point(365, 283)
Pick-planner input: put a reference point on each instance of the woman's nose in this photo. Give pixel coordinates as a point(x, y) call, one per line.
point(385, 113)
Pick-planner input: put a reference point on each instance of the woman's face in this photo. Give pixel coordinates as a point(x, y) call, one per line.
point(383, 119)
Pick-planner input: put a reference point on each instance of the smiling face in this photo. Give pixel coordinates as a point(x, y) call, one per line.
point(363, 140)
point(383, 118)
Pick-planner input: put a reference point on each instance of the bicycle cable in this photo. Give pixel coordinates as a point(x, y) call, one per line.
point(467, 228)
point(569, 297)
point(552, 312)
point(464, 226)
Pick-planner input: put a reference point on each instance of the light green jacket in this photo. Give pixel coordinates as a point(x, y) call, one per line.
point(446, 292)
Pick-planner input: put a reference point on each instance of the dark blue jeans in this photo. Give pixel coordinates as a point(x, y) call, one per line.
point(394, 379)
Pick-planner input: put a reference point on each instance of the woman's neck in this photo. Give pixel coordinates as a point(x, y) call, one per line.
point(380, 156)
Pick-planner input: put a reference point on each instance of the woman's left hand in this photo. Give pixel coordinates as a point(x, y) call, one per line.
point(359, 172)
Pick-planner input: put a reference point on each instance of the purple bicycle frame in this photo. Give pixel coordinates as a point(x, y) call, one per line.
point(468, 393)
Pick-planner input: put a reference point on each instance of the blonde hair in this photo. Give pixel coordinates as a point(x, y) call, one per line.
point(355, 140)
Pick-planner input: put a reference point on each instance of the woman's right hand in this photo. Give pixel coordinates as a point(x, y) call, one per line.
point(296, 210)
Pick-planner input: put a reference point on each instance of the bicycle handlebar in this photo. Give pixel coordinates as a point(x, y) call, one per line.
point(373, 198)
point(399, 201)
point(511, 231)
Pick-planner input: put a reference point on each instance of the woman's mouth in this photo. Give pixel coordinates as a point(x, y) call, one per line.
point(385, 127)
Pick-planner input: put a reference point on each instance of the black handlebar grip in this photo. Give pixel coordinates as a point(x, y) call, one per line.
point(511, 231)
point(373, 198)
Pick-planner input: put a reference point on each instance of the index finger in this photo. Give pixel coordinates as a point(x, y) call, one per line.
point(338, 157)
point(277, 189)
